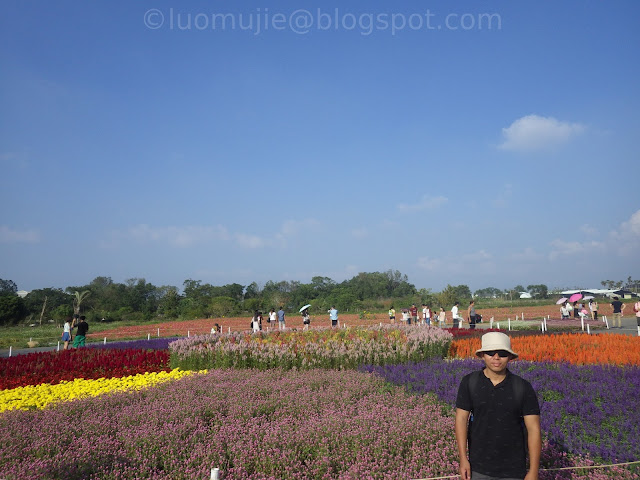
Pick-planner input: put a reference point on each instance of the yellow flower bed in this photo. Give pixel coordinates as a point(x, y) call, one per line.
point(39, 396)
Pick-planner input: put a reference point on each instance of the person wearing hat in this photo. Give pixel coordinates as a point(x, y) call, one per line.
point(505, 421)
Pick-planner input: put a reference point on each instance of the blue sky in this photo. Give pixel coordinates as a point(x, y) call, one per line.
point(460, 142)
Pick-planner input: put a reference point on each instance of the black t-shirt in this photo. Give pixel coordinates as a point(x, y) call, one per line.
point(83, 328)
point(497, 441)
point(617, 306)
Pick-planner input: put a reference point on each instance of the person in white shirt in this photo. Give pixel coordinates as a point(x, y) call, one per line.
point(273, 317)
point(426, 314)
point(454, 316)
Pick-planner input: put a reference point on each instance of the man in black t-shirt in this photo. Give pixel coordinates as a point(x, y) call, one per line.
point(506, 415)
point(83, 328)
point(618, 308)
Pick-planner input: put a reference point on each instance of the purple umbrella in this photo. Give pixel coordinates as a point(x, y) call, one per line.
point(562, 300)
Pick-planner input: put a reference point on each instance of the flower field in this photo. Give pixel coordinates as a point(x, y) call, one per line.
point(89, 363)
point(319, 348)
point(288, 419)
point(576, 348)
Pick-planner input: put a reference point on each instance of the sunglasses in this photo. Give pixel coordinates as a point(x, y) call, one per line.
point(501, 353)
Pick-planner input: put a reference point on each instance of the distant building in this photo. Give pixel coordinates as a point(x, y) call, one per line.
point(22, 293)
point(525, 295)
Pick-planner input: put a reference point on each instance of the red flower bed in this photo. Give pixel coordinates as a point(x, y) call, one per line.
point(89, 363)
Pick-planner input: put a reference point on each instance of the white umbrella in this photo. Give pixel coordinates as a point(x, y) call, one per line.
point(305, 307)
point(589, 297)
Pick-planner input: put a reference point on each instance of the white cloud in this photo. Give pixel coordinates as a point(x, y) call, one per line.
point(295, 227)
point(425, 203)
point(249, 241)
point(181, 237)
point(561, 248)
point(533, 132)
point(192, 235)
point(9, 235)
point(626, 239)
point(588, 229)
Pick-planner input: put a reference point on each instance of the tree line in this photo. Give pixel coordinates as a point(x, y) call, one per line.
point(138, 300)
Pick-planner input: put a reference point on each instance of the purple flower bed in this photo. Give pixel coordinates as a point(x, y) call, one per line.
point(161, 343)
point(586, 410)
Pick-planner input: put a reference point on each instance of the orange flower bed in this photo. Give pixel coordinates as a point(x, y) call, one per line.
point(575, 348)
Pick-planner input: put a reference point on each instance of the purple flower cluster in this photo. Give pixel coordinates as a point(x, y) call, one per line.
point(161, 343)
point(587, 410)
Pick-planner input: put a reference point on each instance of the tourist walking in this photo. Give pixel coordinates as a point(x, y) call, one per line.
point(454, 315)
point(413, 311)
point(392, 314)
point(442, 317)
point(618, 310)
point(497, 418)
point(83, 328)
point(66, 333)
point(281, 319)
point(471, 313)
point(593, 306)
point(306, 319)
point(333, 316)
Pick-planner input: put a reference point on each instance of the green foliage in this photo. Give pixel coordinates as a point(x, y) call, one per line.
point(12, 309)
point(8, 287)
point(538, 291)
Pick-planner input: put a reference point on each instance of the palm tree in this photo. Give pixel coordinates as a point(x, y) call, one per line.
point(78, 297)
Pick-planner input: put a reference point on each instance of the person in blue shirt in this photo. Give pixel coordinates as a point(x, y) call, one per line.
point(281, 319)
point(333, 316)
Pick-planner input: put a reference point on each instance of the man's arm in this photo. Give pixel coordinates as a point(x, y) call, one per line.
point(534, 440)
point(462, 420)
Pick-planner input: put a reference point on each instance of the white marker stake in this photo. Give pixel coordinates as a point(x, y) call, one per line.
point(188, 333)
point(58, 346)
point(105, 340)
point(522, 315)
point(509, 325)
point(229, 330)
point(588, 330)
point(215, 474)
point(158, 332)
point(10, 350)
point(545, 325)
point(516, 318)
point(148, 336)
point(582, 322)
point(211, 330)
point(542, 326)
point(491, 323)
point(606, 323)
point(498, 324)
point(639, 331)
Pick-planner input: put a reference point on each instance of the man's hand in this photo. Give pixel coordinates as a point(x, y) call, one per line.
point(465, 470)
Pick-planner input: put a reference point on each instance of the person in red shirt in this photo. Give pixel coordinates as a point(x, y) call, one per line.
point(414, 314)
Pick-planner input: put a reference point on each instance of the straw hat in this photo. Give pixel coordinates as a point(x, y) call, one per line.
point(496, 341)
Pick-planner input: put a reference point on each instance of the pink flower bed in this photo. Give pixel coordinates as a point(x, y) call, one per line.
point(276, 424)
